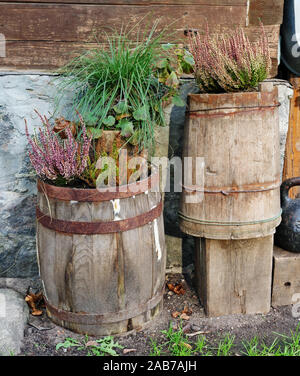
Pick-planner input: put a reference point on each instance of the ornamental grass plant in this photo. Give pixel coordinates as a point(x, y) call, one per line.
point(116, 85)
point(229, 62)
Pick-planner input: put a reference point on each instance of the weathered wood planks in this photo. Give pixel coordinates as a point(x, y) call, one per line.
point(101, 284)
point(269, 12)
point(234, 276)
point(237, 135)
point(46, 34)
point(80, 23)
point(140, 2)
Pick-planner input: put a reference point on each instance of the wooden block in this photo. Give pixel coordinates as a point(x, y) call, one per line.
point(174, 254)
point(234, 276)
point(286, 277)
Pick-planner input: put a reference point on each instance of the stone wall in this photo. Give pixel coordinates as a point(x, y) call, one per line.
point(20, 94)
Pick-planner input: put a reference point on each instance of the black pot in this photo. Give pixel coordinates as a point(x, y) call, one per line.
point(288, 232)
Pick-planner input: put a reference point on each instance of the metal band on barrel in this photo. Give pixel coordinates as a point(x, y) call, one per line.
point(92, 228)
point(98, 195)
point(250, 188)
point(106, 318)
point(217, 223)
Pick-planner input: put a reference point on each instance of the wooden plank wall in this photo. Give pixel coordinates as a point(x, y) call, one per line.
point(44, 34)
point(291, 167)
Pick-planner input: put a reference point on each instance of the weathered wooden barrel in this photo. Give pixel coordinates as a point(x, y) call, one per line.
point(234, 192)
point(101, 256)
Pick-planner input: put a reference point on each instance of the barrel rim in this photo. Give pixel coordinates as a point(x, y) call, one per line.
point(259, 99)
point(96, 195)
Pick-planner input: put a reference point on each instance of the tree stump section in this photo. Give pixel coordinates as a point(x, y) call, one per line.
point(286, 277)
point(234, 276)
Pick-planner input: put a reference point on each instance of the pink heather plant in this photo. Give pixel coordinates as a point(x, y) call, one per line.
point(228, 63)
point(56, 159)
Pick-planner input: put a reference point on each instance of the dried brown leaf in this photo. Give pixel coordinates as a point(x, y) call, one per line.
point(60, 126)
point(91, 343)
point(196, 333)
point(36, 312)
point(35, 301)
point(126, 351)
point(184, 316)
point(179, 290)
point(187, 345)
point(171, 287)
point(187, 310)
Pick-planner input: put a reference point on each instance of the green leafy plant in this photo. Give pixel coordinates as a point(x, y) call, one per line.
point(175, 62)
point(104, 346)
point(69, 342)
point(99, 347)
point(118, 87)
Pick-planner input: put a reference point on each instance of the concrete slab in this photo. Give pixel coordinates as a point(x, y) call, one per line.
point(14, 315)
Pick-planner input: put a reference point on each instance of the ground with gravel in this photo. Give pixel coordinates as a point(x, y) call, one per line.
point(42, 336)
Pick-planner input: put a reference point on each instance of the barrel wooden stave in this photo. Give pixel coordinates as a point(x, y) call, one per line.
point(102, 273)
point(240, 147)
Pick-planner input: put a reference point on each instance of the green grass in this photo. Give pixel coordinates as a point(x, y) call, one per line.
point(281, 346)
point(225, 346)
point(177, 343)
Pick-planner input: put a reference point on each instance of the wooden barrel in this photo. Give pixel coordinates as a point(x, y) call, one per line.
point(237, 195)
point(102, 256)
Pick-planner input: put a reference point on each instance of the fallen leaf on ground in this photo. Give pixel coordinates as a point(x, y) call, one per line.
point(187, 345)
point(35, 301)
point(184, 316)
point(187, 310)
point(196, 333)
point(36, 312)
point(126, 351)
point(171, 287)
point(91, 343)
point(178, 288)
point(175, 314)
